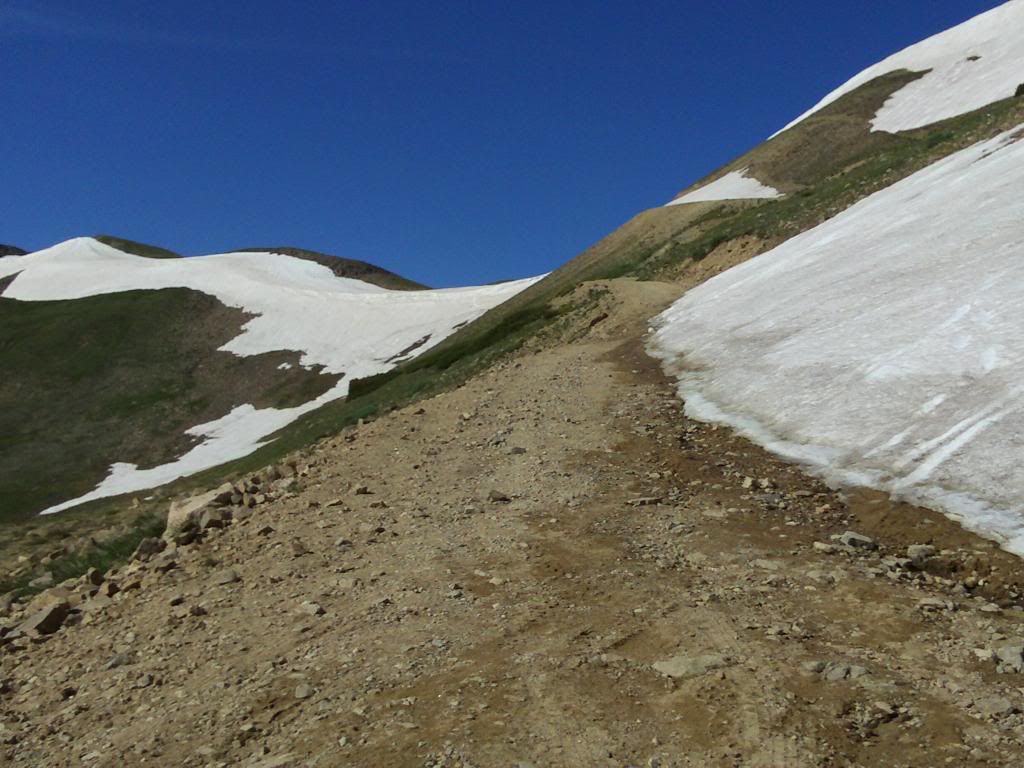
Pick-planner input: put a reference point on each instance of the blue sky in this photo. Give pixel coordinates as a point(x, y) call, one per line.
point(455, 142)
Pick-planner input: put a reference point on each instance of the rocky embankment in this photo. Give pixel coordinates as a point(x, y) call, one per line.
point(548, 566)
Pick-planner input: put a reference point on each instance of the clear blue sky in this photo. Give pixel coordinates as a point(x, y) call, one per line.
point(456, 141)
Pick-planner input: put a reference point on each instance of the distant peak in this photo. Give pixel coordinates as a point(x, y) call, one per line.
point(136, 248)
point(350, 268)
point(11, 250)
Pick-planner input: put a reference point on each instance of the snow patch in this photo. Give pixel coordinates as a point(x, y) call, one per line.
point(736, 185)
point(886, 346)
point(969, 66)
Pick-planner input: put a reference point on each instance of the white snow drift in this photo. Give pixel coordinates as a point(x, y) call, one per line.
point(347, 326)
point(735, 185)
point(976, 63)
point(886, 345)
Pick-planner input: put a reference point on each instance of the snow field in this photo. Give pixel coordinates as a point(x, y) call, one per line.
point(886, 346)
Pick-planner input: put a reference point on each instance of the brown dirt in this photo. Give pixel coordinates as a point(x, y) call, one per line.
point(464, 632)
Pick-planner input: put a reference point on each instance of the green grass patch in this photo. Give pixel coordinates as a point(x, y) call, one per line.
point(119, 377)
point(101, 556)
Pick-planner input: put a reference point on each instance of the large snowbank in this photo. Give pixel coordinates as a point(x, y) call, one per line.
point(886, 346)
point(735, 185)
point(345, 325)
point(976, 63)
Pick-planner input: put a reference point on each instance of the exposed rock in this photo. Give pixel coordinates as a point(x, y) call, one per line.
point(995, 707)
point(836, 671)
point(498, 497)
point(681, 667)
point(1011, 658)
point(919, 553)
point(182, 515)
point(226, 576)
point(42, 582)
point(310, 608)
point(214, 517)
point(46, 620)
point(857, 541)
point(645, 501)
point(147, 548)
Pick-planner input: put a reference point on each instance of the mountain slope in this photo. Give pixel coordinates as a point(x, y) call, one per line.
point(10, 250)
point(339, 327)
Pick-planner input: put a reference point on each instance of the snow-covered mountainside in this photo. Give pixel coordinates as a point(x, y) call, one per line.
point(346, 326)
point(974, 64)
point(886, 345)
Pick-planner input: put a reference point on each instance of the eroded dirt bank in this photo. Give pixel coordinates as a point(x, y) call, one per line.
point(550, 566)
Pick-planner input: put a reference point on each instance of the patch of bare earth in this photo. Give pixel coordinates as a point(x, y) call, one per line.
point(550, 566)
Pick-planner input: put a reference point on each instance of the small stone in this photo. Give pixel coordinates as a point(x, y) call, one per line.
point(935, 604)
point(645, 501)
point(298, 548)
point(680, 667)
point(147, 548)
point(824, 548)
point(919, 553)
point(360, 490)
point(144, 681)
point(42, 582)
point(303, 691)
point(857, 541)
point(227, 576)
point(1011, 657)
point(119, 660)
point(498, 497)
point(310, 608)
point(995, 707)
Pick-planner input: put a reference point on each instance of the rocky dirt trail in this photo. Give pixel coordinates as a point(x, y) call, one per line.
point(550, 566)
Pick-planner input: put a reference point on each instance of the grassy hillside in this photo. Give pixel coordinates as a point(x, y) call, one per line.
point(357, 270)
point(120, 377)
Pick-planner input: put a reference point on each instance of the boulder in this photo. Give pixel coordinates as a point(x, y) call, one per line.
point(47, 619)
point(1011, 658)
point(857, 541)
point(148, 548)
point(919, 553)
point(182, 517)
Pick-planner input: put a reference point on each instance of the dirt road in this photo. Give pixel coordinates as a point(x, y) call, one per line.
point(550, 566)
